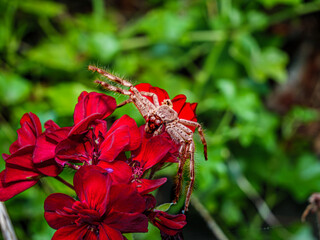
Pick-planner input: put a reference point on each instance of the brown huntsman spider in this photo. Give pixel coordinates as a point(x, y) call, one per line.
point(161, 117)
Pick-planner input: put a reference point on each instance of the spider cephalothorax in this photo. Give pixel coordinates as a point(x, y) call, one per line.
point(161, 117)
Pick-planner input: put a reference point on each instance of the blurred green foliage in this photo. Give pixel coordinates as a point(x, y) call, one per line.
point(220, 54)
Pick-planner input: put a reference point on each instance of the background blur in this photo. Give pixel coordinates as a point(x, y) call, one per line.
point(253, 67)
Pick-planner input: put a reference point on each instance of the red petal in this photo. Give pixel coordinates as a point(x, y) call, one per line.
point(92, 187)
point(115, 142)
point(145, 186)
point(108, 233)
point(72, 232)
point(91, 235)
point(155, 150)
point(178, 102)
point(5, 156)
point(150, 201)
point(9, 190)
point(43, 156)
point(185, 110)
point(51, 125)
point(139, 153)
point(128, 222)
point(34, 121)
point(187, 113)
point(53, 206)
point(93, 103)
point(125, 198)
point(169, 224)
point(146, 87)
point(194, 106)
point(100, 127)
point(83, 125)
point(73, 151)
point(56, 136)
point(19, 166)
point(82, 96)
point(121, 171)
point(135, 136)
point(28, 133)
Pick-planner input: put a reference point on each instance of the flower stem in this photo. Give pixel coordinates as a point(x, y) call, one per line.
point(6, 225)
point(64, 182)
point(214, 227)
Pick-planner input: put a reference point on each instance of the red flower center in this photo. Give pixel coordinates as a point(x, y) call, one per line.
point(85, 216)
point(137, 170)
point(92, 147)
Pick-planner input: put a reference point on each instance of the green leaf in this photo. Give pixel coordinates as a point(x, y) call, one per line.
point(163, 25)
point(56, 55)
point(164, 207)
point(103, 46)
point(13, 88)
point(42, 8)
point(129, 236)
point(272, 3)
point(63, 97)
point(260, 64)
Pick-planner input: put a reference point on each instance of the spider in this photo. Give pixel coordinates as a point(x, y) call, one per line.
point(161, 117)
point(313, 207)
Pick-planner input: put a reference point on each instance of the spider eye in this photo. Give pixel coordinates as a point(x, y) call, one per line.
point(158, 122)
point(152, 119)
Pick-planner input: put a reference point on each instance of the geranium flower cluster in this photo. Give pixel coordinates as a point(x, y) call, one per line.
point(114, 170)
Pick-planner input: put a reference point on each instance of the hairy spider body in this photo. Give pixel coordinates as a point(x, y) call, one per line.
point(161, 117)
point(158, 118)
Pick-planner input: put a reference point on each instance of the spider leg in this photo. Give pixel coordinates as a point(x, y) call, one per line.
point(110, 76)
point(180, 171)
point(142, 103)
point(185, 130)
point(182, 151)
point(113, 88)
point(158, 131)
point(154, 97)
point(191, 183)
point(197, 125)
point(129, 100)
point(186, 151)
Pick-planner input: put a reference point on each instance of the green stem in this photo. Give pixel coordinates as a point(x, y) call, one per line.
point(136, 42)
point(64, 182)
point(7, 129)
point(98, 10)
point(296, 11)
point(214, 227)
point(209, 67)
point(227, 117)
point(6, 224)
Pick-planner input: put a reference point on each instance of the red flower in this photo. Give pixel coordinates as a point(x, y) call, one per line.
point(44, 152)
point(99, 144)
point(151, 155)
point(20, 173)
point(167, 223)
point(184, 109)
point(91, 106)
point(165, 236)
point(28, 133)
point(104, 211)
